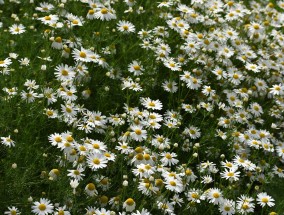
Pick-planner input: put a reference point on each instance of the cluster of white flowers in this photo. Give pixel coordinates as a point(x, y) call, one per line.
point(194, 114)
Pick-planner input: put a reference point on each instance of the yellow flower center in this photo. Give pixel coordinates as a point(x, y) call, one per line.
point(104, 181)
point(91, 12)
point(264, 200)
point(138, 132)
point(235, 76)
point(130, 201)
point(216, 195)
point(82, 55)
point(96, 146)
point(76, 172)
point(227, 208)
point(107, 155)
point(146, 156)
point(69, 138)
point(61, 212)
point(42, 207)
point(194, 195)
point(230, 174)
point(55, 171)
point(136, 67)
point(188, 172)
point(91, 186)
point(139, 156)
point(256, 26)
point(47, 18)
point(75, 22)
point(172, 183)
point(64, 72)
point(125, 27)
point(104, 199)
point(68, 110)
point(58, 39)
point(13, 212)
point(168, 156)
point(104, 11)
point(96, 161)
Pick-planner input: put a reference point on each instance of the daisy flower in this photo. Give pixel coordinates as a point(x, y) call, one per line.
point(143, 212)
point(230, 174)
point(12, 211)
point(136, 68)
point(102, 211)
point(173, 184)
point(96, 161)
point(215, 196)
point(252, 67)
point(44, 7)
point(256, 109)
point(171, 64)
point(195, 195)
point(138, 133)
point(263, 199)
point(151, 104)
point(277, 89)
point(166, 207)
point(168, 159)
point(7, 141)
point(77, 173)
point(83, 55)
point(5, 63)
point(90, 189)
point(129, 205)
point(227, 207)
point(125, 27)
point(245, 204)
point(170, 86)
point(61, 211)
point(64, 72)
point(91, 14)
point(42, 207)
point(105, 14)
point(17, 29)
point(49, 19)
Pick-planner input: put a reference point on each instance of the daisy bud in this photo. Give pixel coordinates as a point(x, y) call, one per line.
point(195, 155)
point(176, 145)
point(30, 199)
point(125, 183)
point(106, 88)
point(222, 156)
point(125, 176)
point(256, 187)
point(197, 145)
point(14, 165)
point(43, 67)
point(16, 131)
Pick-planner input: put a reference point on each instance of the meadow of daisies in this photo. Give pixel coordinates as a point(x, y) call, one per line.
point(141, 107)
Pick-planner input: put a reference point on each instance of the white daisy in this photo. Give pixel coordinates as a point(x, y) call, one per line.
point(43, 207)
point(125, 27)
